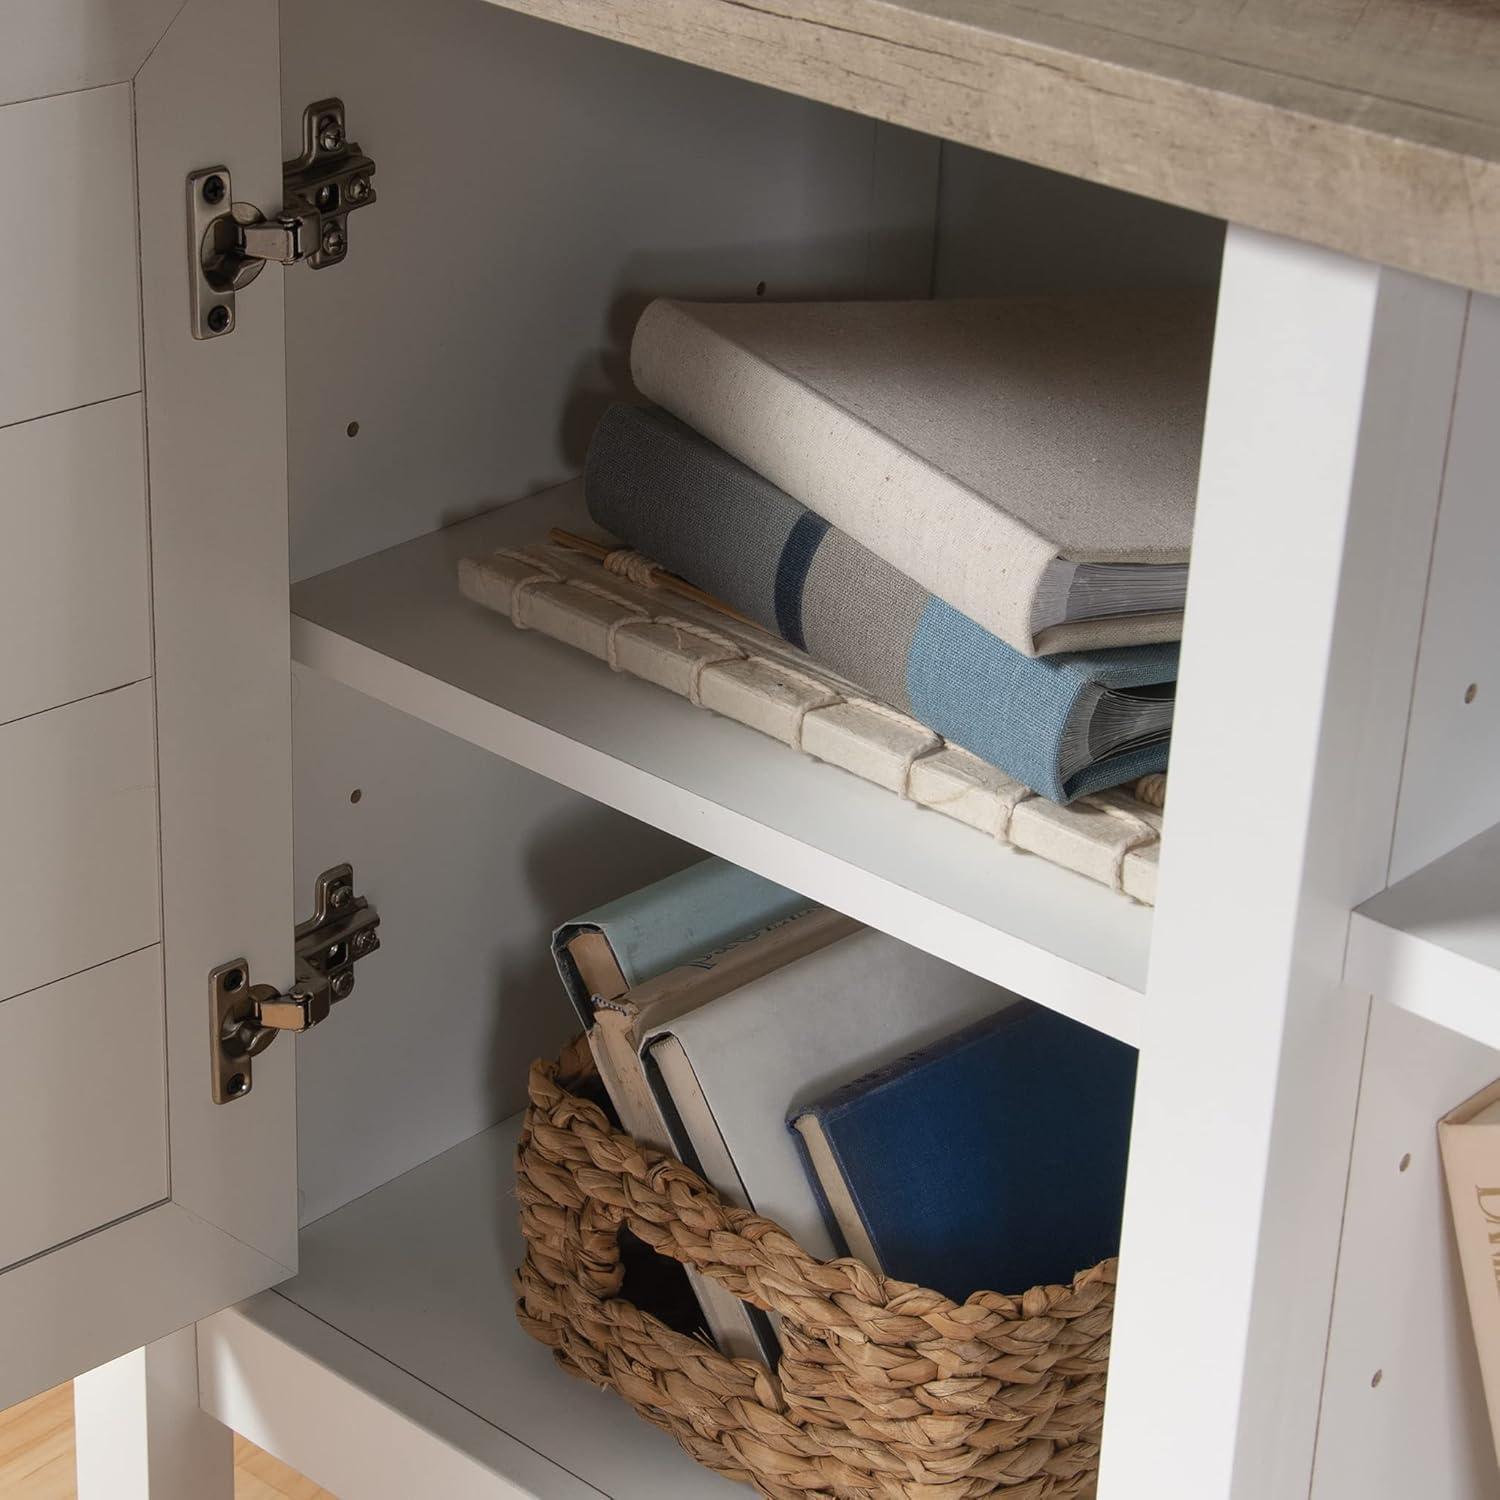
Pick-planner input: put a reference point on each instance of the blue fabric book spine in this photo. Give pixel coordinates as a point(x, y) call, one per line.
point(992, 1161)
point(674, 921)
point(686, 504)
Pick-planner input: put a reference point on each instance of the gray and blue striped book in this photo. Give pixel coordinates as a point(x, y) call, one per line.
point(1063, 725)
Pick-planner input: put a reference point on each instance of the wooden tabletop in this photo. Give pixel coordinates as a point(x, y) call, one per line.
point(1371, 126)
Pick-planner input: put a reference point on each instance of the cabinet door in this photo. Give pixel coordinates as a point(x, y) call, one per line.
point(145, 804)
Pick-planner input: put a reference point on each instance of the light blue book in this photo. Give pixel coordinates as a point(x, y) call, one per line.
point(684, 920)
point(700, 909)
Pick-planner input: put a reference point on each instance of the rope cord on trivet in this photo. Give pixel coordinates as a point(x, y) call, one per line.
point(524, 587)
point(1005, 810)
point(933, 745)
point(636, 569)
point(1144, 833)
point(1152, 789)
point(632, 566)
point(629, 565)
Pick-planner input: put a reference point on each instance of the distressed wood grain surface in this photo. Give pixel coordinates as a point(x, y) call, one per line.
point(1369, 126)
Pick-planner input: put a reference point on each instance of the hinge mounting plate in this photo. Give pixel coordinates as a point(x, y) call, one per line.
point(230, 243)
point(245, 1018)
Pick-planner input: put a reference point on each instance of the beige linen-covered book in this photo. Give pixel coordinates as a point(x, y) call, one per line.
point(1470, 1141)
point(1031, 461)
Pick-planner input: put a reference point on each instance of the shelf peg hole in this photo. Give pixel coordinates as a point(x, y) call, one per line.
point(1471, 692)
point(1404, 1163)
point(356, 795)
point(1376, 1378)
point(352, 430)
point(760, 289)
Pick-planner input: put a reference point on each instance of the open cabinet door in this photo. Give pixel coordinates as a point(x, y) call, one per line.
point(145, 787)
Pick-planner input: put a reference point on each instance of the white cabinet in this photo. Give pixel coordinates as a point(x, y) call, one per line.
point(145, 803)
point(228, 615)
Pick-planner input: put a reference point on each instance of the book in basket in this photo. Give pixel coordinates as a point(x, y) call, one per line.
point(616, 1037)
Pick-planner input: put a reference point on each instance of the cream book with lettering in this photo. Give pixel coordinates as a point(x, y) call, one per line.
point(1470, 1142)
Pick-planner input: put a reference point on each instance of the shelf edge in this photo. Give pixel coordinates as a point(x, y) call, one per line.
point(352, 1421)
point(1424, 978)
point(1097, 1000)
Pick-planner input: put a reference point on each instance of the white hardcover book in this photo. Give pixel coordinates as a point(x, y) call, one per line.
point(728, 1074)
point(1032, 461)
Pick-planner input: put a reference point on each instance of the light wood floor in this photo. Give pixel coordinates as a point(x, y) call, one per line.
point(36, 1457)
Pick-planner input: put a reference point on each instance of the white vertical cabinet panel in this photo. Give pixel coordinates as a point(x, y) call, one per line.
point(58, 46)
point(83, 1104)
point(75, 587)
point(1450, 788)
point(78, 869)
point(538, 187)
point(216, 421)
point(1420, 1430)
point(216, 443)
point(69, 303)
point(141, 1434)
point(1327, 417)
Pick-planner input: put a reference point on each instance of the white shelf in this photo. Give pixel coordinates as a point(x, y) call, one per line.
point(394, 627)
point(1431, 943)
point(404, 1303)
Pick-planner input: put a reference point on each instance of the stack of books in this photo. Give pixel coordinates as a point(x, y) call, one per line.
point(871, 1099)
point(940, 544)
point(978, 511)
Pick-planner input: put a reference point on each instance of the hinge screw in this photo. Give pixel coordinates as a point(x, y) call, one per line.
point(333, 240)
point(213, 189)
point(218, 319)
point(342, 985)
point(358, 189)
point(330, 133)
point(340, 896)
point(366, 942)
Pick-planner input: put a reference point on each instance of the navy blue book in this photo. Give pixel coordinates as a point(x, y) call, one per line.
point(993, 1160)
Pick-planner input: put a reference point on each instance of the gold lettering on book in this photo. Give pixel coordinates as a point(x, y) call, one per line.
point(1492, 1215)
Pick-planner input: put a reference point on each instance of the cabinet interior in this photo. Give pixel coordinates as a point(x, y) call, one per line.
point(537, 187)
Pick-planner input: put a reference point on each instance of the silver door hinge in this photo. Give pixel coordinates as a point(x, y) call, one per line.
point(230, 243)
point(246, 1018)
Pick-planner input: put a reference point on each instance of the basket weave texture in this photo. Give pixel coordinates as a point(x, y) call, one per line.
point(884, 1389)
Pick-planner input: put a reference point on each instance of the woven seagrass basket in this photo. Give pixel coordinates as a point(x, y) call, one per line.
point(884, 1389)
